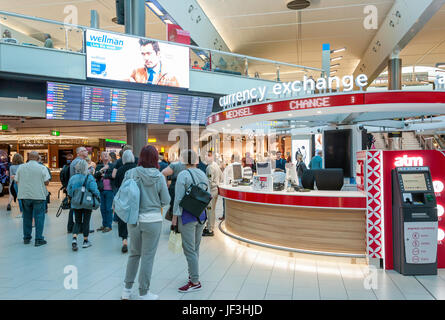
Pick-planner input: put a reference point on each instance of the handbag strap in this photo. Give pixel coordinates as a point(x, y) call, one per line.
point(193, 179)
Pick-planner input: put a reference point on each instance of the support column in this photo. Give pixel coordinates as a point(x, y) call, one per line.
point(137, 133)
point(94, 23)
point(395, 73)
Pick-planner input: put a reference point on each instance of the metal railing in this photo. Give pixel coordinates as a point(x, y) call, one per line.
point(32, 31)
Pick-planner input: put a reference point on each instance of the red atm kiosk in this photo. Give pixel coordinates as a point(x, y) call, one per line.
point(414, 216)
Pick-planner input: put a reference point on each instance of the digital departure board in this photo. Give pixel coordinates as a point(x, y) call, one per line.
point(88, 103)
point(63, 101)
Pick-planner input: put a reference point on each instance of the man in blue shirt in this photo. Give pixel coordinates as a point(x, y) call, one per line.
point(280, 163)
point(317, 161)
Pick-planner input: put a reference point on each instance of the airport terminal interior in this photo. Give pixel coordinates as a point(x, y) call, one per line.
point(316, 126)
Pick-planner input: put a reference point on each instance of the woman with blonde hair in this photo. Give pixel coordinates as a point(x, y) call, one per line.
point(300, 167)
point(82, 216)
point(17, 160)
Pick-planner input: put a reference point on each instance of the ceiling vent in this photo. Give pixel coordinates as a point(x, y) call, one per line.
point(298, 4)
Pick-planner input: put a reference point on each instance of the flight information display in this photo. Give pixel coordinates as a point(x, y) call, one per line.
point(88, 103)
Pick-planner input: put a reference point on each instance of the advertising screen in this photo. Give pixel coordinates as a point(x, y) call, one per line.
point(414, 181)
point(88, 103)
point(122, 58)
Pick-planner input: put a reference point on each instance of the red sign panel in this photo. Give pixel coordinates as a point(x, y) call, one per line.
point(288, 106)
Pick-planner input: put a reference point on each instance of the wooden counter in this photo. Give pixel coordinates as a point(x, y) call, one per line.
point(334, 224)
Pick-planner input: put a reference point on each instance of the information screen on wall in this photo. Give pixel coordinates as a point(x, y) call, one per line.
point(88, 103)
point(122, 58)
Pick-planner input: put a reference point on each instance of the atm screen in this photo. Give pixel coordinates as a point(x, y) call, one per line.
point(414, 181)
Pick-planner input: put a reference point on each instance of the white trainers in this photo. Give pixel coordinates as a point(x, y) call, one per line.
point(86, 244)
point(149, 296)
point(126, 294)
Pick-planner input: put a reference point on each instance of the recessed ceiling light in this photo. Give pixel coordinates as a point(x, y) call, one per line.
point(155, 8)
point(338, 50)
point(298, 4)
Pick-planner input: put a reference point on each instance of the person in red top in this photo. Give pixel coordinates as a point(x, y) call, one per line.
point(196, 66)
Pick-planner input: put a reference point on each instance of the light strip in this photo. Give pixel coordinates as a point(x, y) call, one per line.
point(335, 65)
point(266, 245)
point(382, 219)
point(155, 9)
point(115, 141)
point(338, 50)
point(337, 58)
point(286, 72)
point(168, 21)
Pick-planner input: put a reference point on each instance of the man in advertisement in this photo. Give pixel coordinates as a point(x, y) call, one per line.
point(152, 72)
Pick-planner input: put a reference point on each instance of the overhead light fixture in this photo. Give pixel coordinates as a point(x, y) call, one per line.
point(440, 65)
point(337, 58)
point(338, 50)
point(298, 4)
point(333, 71)
point(286, 72)
point(168, 21)
point(335, 65)
point(155, 9)
point(203, 57)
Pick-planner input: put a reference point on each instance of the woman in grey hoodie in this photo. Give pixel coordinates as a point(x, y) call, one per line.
point(188, 225)
point(145, 234)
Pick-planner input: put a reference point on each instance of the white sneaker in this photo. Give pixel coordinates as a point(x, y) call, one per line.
point(149, 296)
point(86, 244)
point(126, 294)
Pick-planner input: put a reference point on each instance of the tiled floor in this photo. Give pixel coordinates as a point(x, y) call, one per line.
point(228, 270)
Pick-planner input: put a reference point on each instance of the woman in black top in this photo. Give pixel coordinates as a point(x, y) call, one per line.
point(128, 163)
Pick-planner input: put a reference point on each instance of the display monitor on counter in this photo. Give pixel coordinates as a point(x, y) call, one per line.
point(329, 179)
point(291, 172)
point(237, 172)
point(263, 168)
point(91, 103)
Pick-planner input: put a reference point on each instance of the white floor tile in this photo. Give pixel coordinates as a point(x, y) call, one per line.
point(361, 295)
point(306, 293)
point(223, 295)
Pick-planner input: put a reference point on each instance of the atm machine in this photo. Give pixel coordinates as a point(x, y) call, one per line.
point(414, 221)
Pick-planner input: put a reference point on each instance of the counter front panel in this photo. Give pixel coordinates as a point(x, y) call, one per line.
point(317, 221)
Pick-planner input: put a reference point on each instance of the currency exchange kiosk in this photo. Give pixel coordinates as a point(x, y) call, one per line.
point(414, 218)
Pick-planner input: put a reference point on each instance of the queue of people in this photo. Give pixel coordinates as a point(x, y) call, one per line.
point(101, 182)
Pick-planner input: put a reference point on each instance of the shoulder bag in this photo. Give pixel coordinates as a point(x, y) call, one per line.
point(196, 199)
point(85, 199)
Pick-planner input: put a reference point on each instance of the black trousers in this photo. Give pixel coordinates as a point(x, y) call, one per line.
point(70, 224)
point(122, 227)
point(82, 218)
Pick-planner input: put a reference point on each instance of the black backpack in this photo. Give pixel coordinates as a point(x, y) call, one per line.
point(65, 176)
point(196, 199)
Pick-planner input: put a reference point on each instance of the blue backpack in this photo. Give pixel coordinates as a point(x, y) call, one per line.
point(127, 199)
